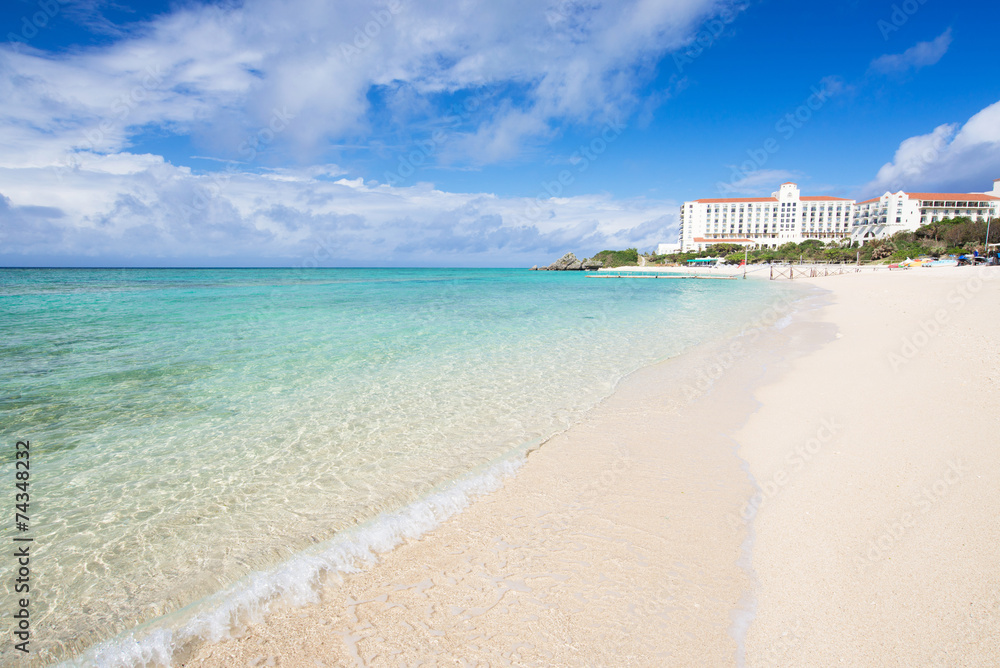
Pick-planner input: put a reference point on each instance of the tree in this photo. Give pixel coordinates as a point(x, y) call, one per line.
point(880, 249)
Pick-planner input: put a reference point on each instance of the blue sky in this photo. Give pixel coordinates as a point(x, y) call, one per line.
point(464, 133)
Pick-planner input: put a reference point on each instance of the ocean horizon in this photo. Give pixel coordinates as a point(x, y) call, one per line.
point(207, 440)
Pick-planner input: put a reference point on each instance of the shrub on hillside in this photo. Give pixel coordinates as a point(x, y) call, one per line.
point(620, 258)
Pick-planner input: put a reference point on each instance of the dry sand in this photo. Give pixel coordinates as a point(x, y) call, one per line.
point(880, 544)
point(622, 541)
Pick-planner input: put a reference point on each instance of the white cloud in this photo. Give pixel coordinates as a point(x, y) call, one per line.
point(921, 55)
point(217, 72)
point(948, 159)
point(138, 209)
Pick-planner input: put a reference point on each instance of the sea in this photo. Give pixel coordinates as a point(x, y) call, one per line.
point(204, 442)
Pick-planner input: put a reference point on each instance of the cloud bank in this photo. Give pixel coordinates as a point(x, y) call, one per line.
point(139, 210)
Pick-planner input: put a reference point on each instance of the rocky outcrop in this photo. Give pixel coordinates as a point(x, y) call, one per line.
point(568, 262)
point(565, 263)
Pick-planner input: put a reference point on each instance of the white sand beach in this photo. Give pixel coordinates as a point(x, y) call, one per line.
point(859, 439)
point(879, 544)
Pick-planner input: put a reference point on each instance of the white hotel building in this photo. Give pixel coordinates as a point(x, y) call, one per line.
point(898, 212)
point(766, 222)
point(786, 216)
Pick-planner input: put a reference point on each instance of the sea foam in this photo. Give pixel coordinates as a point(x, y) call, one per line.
point(296, 582)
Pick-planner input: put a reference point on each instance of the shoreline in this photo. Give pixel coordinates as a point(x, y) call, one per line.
point(716, 508)
point(605, 488)
point(590, 371)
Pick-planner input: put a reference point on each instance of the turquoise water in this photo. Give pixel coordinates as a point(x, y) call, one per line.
point(192, 428)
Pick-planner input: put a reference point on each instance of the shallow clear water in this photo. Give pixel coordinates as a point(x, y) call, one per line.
point(191, 427)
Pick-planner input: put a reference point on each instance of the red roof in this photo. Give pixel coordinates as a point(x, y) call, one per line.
point(737, 200)
point(968, 197)
point(703, 240)
point(788, 183)
point(734, 200)
point(869, 201)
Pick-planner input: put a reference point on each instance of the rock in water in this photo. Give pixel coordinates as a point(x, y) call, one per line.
point(564, 263)
point(592, 264)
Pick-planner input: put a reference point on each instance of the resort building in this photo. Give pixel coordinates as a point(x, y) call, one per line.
point(904, 212)
point(666, 249)
point(766, 222)
point(787, 216)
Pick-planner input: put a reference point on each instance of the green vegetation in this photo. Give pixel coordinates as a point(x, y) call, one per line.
point(623, 258)
point(947, 237)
